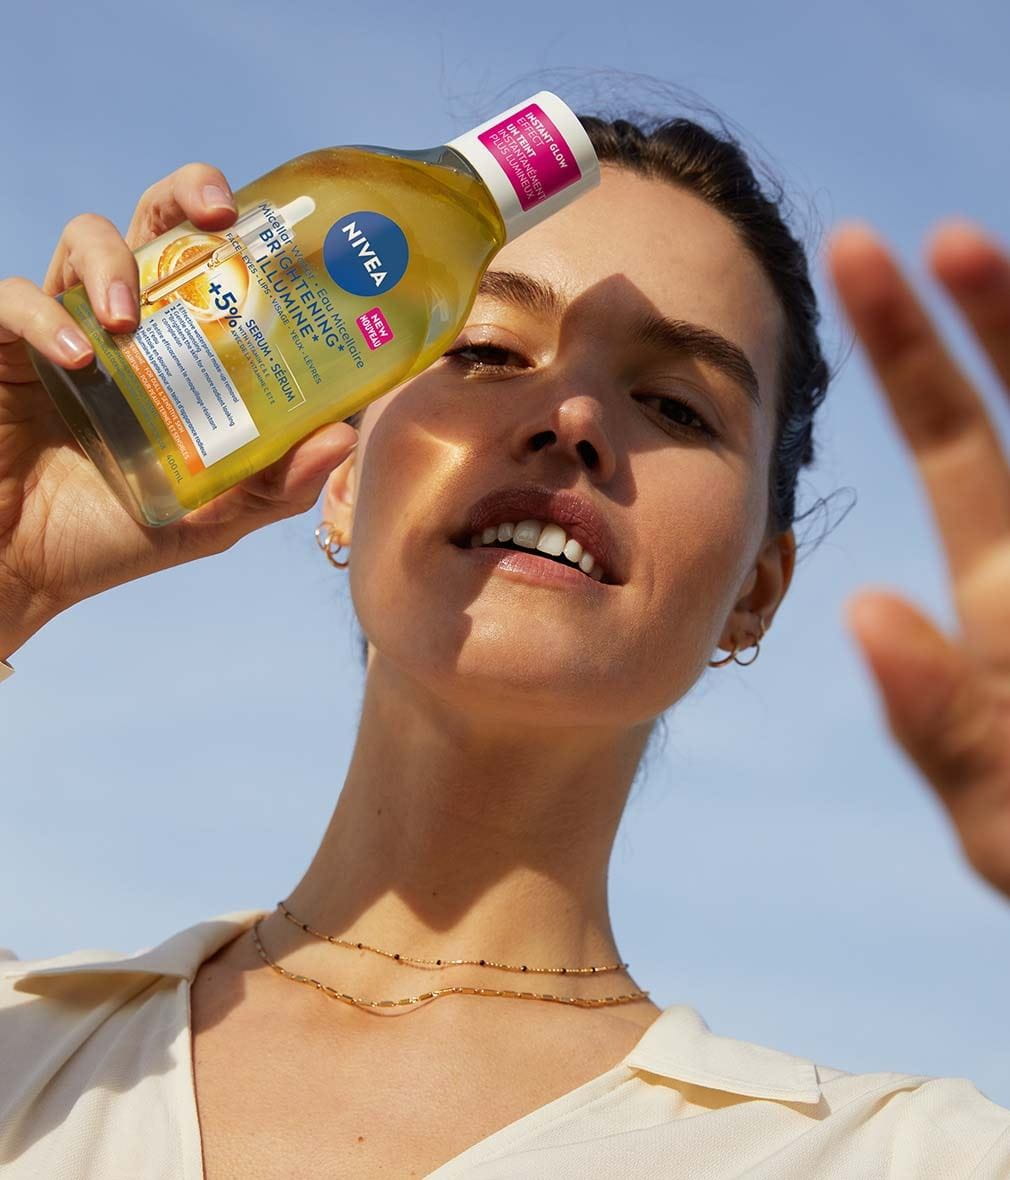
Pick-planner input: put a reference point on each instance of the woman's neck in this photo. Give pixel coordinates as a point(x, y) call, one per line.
point(457, 837)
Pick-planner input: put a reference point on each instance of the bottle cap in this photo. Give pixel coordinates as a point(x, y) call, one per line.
point(535, 158)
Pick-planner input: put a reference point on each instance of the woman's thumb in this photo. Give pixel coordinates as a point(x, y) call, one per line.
point(295, 480)
point(289, 485)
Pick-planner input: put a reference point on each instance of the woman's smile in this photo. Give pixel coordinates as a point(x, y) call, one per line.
point(527, 565)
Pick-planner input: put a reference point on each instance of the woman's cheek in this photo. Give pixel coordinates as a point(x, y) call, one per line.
point(699, 558)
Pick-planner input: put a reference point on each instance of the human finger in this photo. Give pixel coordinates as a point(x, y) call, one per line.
point(92, 251)
point(196, 192)
point(28, 313)
point(288, 486)
point(975, 270)
point(942, 416)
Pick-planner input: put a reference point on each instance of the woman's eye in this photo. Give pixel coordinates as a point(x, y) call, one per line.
point(483, 356)
point(675, 412)
point(679, 414)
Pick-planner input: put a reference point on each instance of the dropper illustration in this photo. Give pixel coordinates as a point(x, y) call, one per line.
point(246, 230)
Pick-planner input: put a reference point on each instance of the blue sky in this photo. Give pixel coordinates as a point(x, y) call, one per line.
point(173, 748)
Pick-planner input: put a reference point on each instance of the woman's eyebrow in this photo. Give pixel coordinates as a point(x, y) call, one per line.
point(681, 336)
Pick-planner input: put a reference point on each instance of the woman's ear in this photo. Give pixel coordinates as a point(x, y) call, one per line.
point(765, 587)
point(338, 497)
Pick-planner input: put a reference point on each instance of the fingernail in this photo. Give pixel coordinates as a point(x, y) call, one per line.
point(73, 344)
point(216, 197)
point(122, 305)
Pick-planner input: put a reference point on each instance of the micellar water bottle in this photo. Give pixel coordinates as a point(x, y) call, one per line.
point(349, 270)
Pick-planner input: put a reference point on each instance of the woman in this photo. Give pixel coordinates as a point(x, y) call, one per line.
point(651, 394)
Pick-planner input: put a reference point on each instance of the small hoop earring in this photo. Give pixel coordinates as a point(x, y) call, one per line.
point(719, 663)
point(747, 663)
point(732, 654)
point(324, 539)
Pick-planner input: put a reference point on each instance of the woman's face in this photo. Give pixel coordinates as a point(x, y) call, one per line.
point(571, 398)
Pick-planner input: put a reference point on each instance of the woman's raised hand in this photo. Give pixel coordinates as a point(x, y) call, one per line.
point(63, 535)
point(947, 697)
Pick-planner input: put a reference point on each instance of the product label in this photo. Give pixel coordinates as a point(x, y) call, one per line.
point(192, 392)
point(366, 253)
point(533, 153)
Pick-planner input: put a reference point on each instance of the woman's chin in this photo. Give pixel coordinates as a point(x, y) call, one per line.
point(532, 661)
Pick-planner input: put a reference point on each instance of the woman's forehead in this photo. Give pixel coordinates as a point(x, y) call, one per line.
point(668, 248)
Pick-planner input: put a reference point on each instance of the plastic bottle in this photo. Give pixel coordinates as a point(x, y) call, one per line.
point(349, 270)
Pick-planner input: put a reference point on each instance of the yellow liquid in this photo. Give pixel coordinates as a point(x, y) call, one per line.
point(120, 416)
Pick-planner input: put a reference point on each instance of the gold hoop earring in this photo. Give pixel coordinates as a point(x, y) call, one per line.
point(732, 654)
point(324, 539)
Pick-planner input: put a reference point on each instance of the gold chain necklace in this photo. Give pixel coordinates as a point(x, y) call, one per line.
point(459, 989)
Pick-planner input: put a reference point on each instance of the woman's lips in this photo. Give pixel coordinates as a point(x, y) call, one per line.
point(577, 514)
point(530, 567)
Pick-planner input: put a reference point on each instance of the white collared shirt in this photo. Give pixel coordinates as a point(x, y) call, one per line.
point(96, 1083)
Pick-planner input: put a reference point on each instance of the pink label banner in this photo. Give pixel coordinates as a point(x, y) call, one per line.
point(534, 154)
point(375, 328)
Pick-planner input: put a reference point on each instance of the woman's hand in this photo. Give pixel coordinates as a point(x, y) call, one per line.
point(63, 534)
point(947, 697)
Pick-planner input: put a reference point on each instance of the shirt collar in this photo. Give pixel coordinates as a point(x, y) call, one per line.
point(181, 954)
point(678, 1044)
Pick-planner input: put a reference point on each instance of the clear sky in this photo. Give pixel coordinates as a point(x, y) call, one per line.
point(172, 749)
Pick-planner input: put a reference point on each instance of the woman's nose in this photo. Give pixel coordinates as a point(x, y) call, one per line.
point(574, 426)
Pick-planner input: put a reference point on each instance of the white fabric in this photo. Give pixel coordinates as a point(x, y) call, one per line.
point(96, 1084)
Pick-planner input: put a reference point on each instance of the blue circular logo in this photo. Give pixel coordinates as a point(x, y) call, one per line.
point(366, 253)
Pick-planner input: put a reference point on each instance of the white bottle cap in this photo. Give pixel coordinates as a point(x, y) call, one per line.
point(535, 158)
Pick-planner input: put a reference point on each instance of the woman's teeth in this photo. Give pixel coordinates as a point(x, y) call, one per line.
point(547, 538)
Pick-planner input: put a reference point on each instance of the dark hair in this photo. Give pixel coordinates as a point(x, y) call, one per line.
point(715, 168)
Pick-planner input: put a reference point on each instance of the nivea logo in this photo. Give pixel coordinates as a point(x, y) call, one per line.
point(366, 253)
